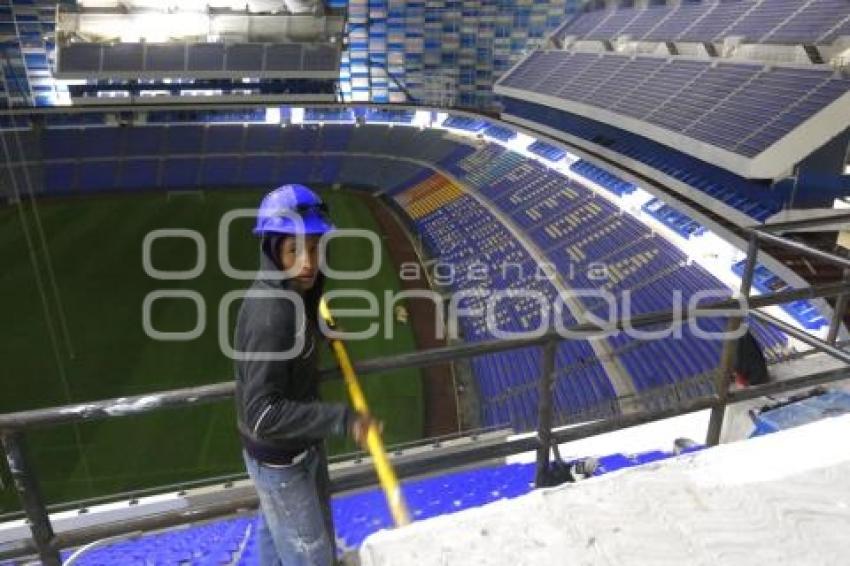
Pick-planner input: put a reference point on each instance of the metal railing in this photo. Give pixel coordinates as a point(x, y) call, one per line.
point(46, 543)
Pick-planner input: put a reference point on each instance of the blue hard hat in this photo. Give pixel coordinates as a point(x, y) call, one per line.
point(272, 217)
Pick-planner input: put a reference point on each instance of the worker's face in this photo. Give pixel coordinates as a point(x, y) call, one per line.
point(302, 261)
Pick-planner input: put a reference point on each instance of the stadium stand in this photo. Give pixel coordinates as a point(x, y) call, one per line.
point(248, 156)
point(221, 542)
point(26, 49)
point(723, 119)
point(749, 197)
point(572, 226)
point(442, 52)
point(356, 516)
point(705, 101)
point(760, 21)
point(766, 282)
point(457, 195)
point(164, 59)
point(257, 115)
point(458, 230)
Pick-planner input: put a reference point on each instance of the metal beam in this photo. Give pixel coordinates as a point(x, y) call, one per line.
point(780, 387)
point(437, 356)
point(804, 336)
point(544, 412)
point(838, 312)
point(804, 249)
point(125, 406)
point(792, 225)
point(118, 407)
point(26, 484)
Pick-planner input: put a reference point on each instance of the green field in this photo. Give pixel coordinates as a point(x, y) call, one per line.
point(96, 248)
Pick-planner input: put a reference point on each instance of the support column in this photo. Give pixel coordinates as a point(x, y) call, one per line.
point(715, 423)
point(544, 412)
point(29, 493)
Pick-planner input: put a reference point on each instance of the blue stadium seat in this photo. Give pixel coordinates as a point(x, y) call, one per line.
point(467, 123)
point(224, 139)
point(184, 139)
point(143, 141)
point(263, 138)
point(101, 142)
point(59, 178)
point(62, 143)
point(258, 171)
point(177, 173)
point(220, 171)
point(547, 151)
point(139, 174)
point(500, 133)
point(97, 175)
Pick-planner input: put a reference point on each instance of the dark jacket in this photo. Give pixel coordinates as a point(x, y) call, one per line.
point(277, 402)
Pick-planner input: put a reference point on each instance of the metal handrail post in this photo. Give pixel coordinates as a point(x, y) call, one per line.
point(783, 242)
point(544, 412)
point(715, 423)
point(26, 484)
point(838, 312)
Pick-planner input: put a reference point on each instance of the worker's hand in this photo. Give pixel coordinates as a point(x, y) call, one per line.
point(359, 428)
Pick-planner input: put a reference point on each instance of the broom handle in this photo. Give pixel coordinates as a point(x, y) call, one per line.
point(386, 474)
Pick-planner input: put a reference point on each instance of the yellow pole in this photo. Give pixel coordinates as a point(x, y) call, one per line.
point(386, 474)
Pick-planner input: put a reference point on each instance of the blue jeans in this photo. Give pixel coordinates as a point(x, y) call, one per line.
point(295, 526)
